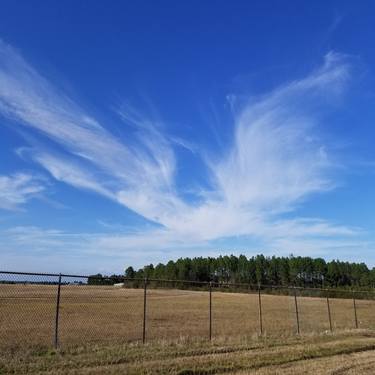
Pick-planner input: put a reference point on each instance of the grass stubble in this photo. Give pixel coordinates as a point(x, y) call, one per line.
point(345, 352)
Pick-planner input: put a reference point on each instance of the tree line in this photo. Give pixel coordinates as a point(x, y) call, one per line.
point(260, 269)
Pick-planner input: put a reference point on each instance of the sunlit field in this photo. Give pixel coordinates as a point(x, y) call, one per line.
point(106, 315)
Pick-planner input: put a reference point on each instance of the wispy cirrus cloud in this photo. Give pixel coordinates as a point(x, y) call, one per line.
point(274, 161)
point(276, 156)
point(18, 188)
point(145, 163)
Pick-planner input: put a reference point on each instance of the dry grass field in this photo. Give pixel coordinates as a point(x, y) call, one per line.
point(345, 352)
point(100, 332)
point(107, 315)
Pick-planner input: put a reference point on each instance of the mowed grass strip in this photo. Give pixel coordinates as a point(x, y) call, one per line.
point(192, 358)
point(355, 363)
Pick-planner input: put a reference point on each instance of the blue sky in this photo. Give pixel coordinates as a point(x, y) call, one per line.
point(138, 132)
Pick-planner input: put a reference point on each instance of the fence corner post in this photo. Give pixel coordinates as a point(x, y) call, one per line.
point(355, 311)
point(144, 310)
point(296, 307)
point(210, 310)
point(260, 311)
point(56, 333)
point(329, 313)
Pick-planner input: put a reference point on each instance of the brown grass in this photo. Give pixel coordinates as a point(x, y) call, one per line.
point(340, 353)
point(106, 315)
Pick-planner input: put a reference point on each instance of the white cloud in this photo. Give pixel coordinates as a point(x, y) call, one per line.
point(274, 162)
point(71, 173)
point(17, 189)
point(108, 252)
point(275, 159)
point(145, 163)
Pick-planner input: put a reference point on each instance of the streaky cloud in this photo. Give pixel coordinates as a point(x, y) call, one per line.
point(275, 161)
point(19, 188)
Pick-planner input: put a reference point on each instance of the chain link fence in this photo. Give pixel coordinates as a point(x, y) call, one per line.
point(51, 310)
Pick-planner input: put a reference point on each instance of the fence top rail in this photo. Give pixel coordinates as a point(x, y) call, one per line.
point(203, 283)
point(30, 273)
point(96, 277)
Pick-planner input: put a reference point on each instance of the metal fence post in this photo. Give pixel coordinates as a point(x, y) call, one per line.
point(144, 310)
point(260, 311)
point(329, 314)
point(56, 333)
point(210, 312)
point(296, 306)
point(355, 312)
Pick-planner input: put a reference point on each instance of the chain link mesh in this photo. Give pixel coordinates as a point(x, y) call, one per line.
point(106, 312)
point(27, 310)
point(52, 310)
